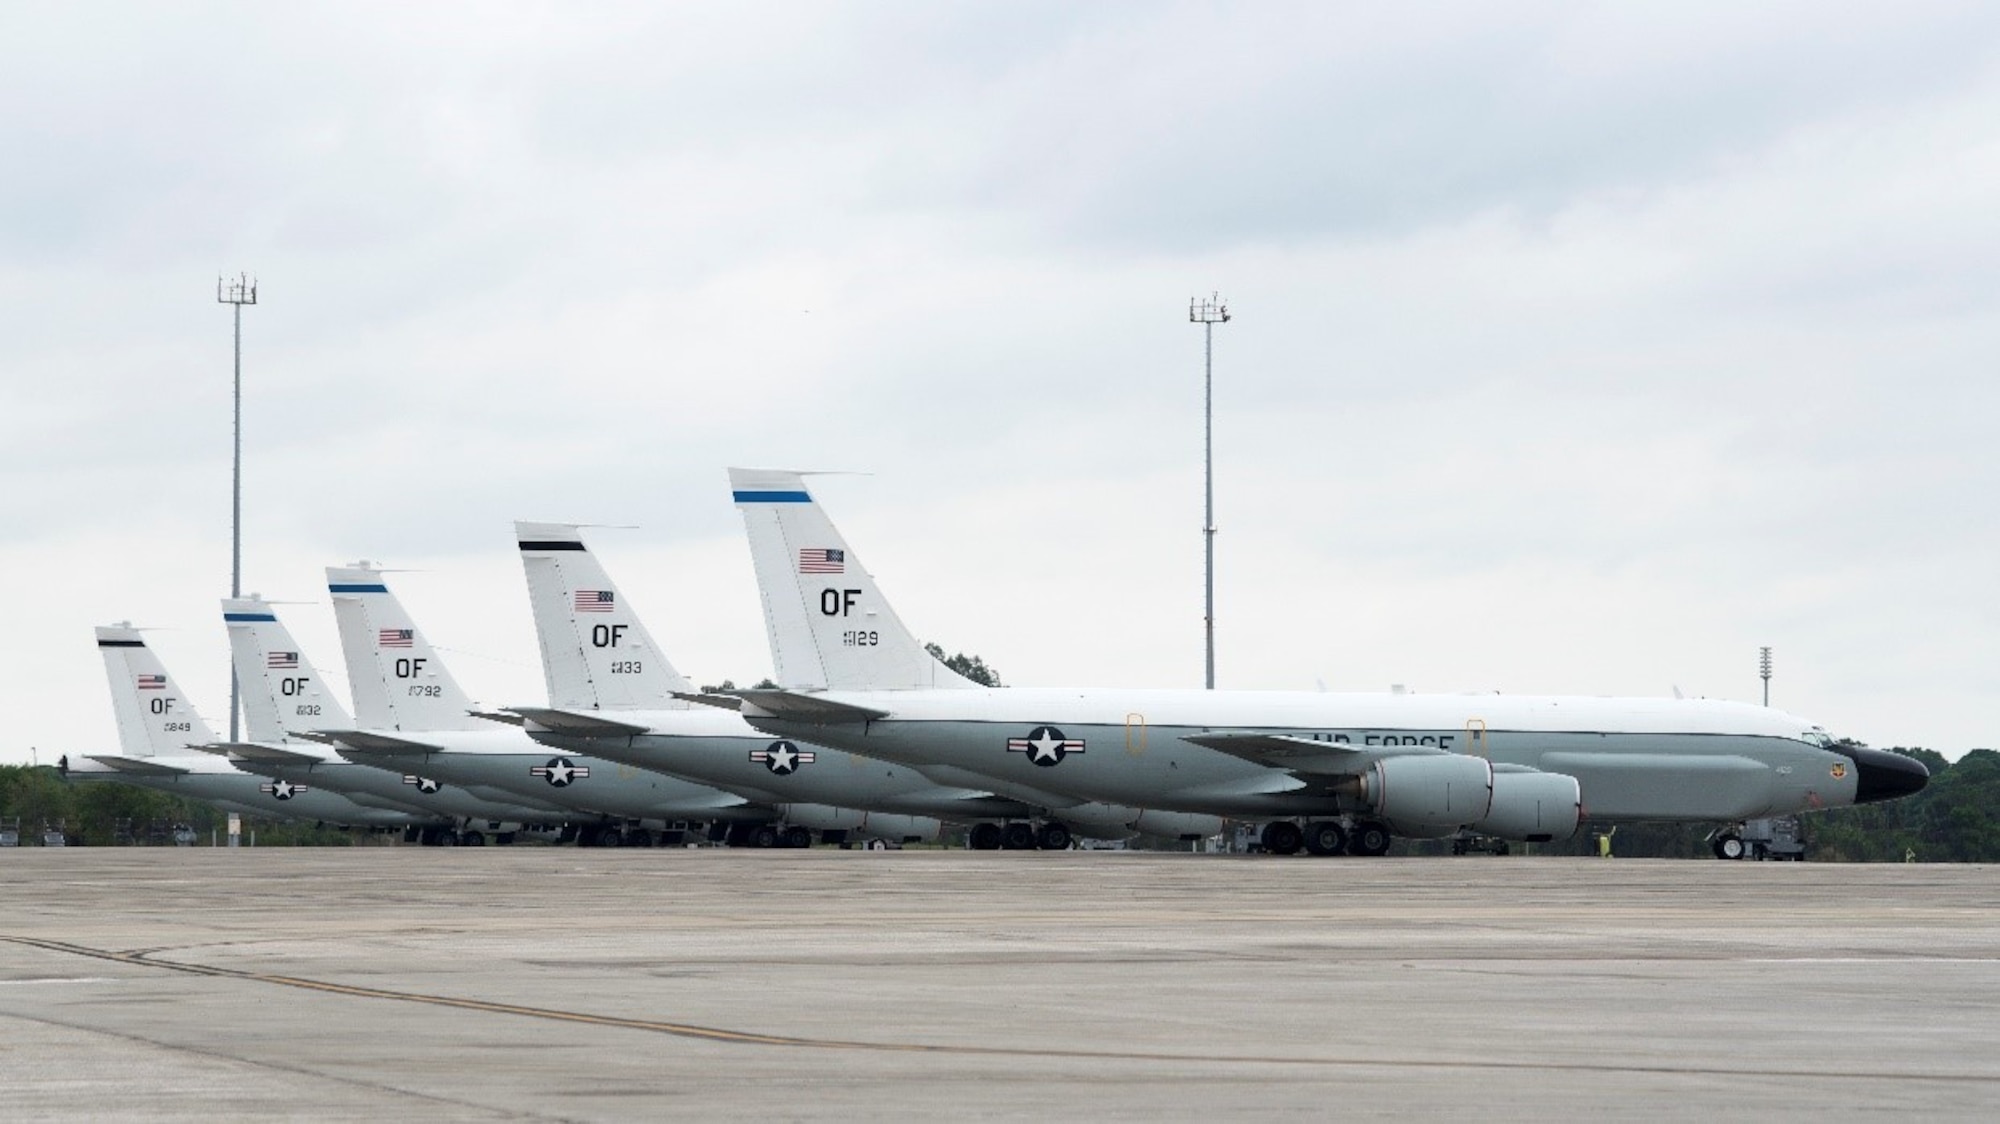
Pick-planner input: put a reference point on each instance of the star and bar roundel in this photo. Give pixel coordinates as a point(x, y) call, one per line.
point(1045, 746)
point(424, 785)
point(282, 790)
point(560, 772)
point(783, 758)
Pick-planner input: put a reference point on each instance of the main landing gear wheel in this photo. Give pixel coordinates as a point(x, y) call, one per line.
point(471, 839)
point(610, 837)
point(1368, 838)
point(1053, 837)
point(1283, 837)
point(876, 845)
point(639, 837)
point(765, 835)
point(1326, 837)
point(1728, 845)
point(984, 837)
point(1017, 836)
point(798, 836)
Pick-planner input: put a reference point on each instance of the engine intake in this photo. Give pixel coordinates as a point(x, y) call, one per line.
point(1533, 807)
point(1438, 790)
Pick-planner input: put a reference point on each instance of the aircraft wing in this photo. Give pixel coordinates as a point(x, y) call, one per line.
point(258, 751)
point(797, 706)
point(1304, 755)
point(576, 722)
point(137, 766)
point(371, 742)
point(720, 702)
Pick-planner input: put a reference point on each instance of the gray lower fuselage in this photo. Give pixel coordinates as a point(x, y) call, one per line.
point(1633, 759)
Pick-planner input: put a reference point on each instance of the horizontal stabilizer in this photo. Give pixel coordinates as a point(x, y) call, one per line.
point(794, 706)
point(258, 751)
point(1304, 755)
point(137, 766)
point(720, 702)
point(497, 716)
point(368, 742)
point(575, 722)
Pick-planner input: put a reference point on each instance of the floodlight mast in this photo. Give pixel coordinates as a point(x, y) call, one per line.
point(1208, 313)
point(239, 292)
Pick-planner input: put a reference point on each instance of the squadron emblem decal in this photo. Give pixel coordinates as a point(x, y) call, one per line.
point(424, 785)
point(1045, 746)
point(282, 790)
point(560, 772)
point(1839, 770)
point(783, 758)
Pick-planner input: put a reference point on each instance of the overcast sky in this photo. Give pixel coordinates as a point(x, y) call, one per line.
point(1577, 348)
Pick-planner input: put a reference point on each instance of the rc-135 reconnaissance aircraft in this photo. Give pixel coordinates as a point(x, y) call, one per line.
point(157, 729)
point(284, 698)
point(596, 650)
point(1334, 773)
point(415, 718)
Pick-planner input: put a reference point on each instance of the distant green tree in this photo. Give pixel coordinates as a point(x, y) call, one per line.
point(972, 667)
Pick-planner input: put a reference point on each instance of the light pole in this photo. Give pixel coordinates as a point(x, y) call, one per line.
point(239, 292)
point(1764, 669)
point(1208, 313)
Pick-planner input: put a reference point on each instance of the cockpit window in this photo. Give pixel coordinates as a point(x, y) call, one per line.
point(1816, 737)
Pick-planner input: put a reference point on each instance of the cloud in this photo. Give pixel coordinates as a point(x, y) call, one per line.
point(1575, 349)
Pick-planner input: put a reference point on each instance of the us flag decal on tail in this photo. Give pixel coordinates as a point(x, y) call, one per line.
point(595, 601)
point(822, 560)
point(152, 682)
point(397, 638)
point(282, 659)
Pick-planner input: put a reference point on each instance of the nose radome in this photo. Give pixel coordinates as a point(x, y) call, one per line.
point(1881, 775)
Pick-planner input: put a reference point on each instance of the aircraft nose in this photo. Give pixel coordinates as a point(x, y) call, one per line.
point(1881, 775)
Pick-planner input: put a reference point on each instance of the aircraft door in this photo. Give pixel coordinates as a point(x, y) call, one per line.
point(1135, 734)
point(1475, 737)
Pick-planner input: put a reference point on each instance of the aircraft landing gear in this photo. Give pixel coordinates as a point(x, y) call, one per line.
point(983, 837)
point(765, 835)
point(1369, 839)
point(1728, 845)
point(471, 839)
point(1053, 837)
point(1325, 837)
point(797, 836)
point(1283, 837)
point(1017, 836)
point(638, 837)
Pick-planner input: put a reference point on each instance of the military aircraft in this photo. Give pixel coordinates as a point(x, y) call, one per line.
point(157, 729)
point(285, 698)
point(413, 717)
point(598, 654)
point(1332, 773)
point(596, 651)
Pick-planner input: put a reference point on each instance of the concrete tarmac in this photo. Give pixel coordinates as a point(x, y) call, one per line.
point(542, 983)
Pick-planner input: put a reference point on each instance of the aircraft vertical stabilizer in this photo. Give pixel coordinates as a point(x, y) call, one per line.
point(154, 717)
point(398, 681)
point(830, 627)
point(282, 691)
point(596, 655)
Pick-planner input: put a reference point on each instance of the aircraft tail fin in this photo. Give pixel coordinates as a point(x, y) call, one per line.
point(154, 717)
point(399, 683)
point(830, 627)
point(281, 689)
point(596, 653)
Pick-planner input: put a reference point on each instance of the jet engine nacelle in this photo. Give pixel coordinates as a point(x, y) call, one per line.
point(1533, 807)
point(1438, 790)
